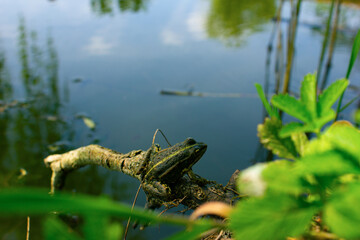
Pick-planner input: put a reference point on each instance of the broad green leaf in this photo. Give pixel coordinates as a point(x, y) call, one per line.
point(269, 137)
point(296, 128)
point(345, 137)
point(272, 217)
point(34, 201)
point(271, 111)
point(318, 145)
point(95, 226)
point(330, 95)
point(192, 233)
point(300, 141)
point(308, 94)
point(292, 107)
point(354, 53)
point(342, 213)
point(330, 163)
point(55, 229)
point(282, 176)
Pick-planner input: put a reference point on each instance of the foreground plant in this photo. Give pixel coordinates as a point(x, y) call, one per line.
point(314, 179)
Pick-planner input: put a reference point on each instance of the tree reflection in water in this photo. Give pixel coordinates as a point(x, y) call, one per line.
point(104, 7)
point(230, 21)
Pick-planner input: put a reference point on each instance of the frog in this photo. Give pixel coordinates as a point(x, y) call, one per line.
point(164, 167)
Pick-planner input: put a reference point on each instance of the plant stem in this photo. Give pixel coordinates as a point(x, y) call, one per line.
point(290, 48)
point(331, 46)
point(325, 41)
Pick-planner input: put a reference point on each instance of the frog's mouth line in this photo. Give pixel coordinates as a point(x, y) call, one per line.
point(202, 149)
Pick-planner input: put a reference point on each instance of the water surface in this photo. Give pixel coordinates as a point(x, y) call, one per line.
point(109, 60)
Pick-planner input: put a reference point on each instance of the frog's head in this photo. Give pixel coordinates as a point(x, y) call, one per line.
point(172, 163)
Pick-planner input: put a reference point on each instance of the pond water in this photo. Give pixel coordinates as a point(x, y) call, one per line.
point(65, 61)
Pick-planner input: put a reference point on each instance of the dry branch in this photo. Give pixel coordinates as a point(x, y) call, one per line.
point(189, 191)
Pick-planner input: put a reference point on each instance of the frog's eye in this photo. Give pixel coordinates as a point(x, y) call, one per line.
point(190, 141)
point(157, 147)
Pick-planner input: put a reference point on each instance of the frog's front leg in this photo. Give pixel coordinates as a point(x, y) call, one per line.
point(156, 189)
point(197, 178)
point(142, 168)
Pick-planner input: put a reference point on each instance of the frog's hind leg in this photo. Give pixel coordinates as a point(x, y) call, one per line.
point(156, 189)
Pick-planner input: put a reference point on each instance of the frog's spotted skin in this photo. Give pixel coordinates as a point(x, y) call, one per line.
point(166, 166)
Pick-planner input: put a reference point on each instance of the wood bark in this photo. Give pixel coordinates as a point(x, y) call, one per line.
point(188, 191)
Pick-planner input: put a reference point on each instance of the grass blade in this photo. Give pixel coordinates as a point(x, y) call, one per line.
point(271, 111)
point(354, 53)
point(349, 103)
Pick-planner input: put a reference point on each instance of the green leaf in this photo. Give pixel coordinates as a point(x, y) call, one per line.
point(325, 118)
point(295, 128)
point(354, 53)
point(342, 213)
point(55, 229)
point(292, 107)
point(318, 145)
point(330, 163)
point(272, 217)
point(95, 226)
point(344, 137)
point(271, 111)
point(34, 201)
point(300, 141)
point(269, 137)
point(330, 95)
point(281, 176)
point(193, 232)
point(308, 94)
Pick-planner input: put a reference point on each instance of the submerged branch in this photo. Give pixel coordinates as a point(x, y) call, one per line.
point(206, 94)
point(188, 191)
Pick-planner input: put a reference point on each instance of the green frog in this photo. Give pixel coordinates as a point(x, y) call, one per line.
point(163, 167)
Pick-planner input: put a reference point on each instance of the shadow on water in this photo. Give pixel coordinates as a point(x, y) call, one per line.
point(38, 125)
point(232, 22)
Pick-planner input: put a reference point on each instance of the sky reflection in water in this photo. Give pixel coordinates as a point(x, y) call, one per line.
point(110, 63)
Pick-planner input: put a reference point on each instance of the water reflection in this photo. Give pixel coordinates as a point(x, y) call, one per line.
point(30, 126)
point(230, 22)
point(5, 84)
point(132, 5)
point(105, 7)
